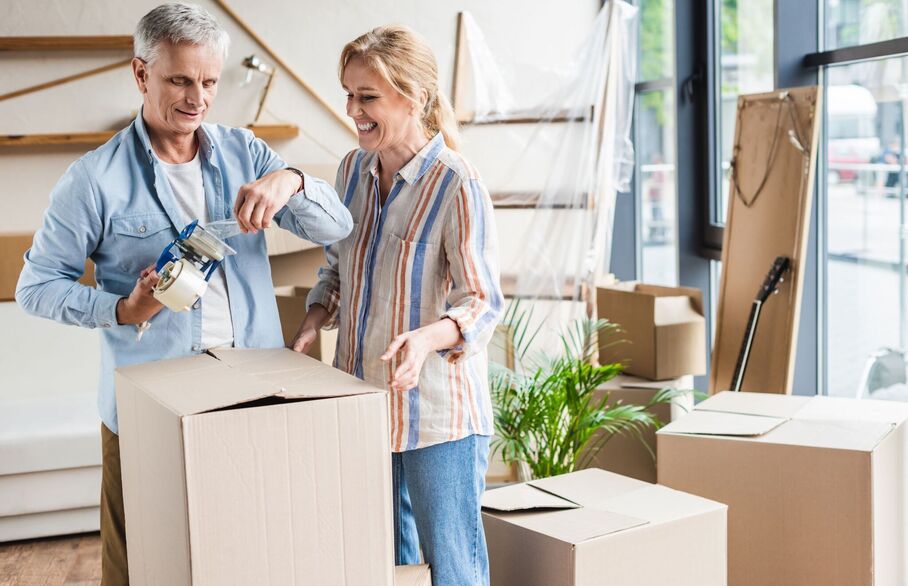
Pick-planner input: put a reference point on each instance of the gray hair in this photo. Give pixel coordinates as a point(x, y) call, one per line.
point(178, 23)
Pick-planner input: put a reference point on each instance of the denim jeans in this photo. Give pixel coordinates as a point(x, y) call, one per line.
point(437, 493)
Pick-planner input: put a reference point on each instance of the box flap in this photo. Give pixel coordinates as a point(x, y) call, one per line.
point(298, 376)
point(718, 423)
point(834, 408)
point(590, 487)
point(769, 405)
point(523, 497)
point(675, 310)
point(860, 436)
point(196, 384)
point(576, 525)
point(660, 504)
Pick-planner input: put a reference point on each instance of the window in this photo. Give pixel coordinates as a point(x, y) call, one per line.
point(866, 104)
point(859, 22)
point(656, 194)
point(744, 66)
point(654, 124)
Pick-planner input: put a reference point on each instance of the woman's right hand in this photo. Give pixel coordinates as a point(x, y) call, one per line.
point(304, 339)
point(305, 336)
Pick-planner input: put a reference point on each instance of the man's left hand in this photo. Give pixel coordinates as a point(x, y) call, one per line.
point(257, 202)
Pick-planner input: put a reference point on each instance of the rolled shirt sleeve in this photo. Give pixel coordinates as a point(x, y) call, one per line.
point(471, 242)
point(70, 233)
point(327, 291)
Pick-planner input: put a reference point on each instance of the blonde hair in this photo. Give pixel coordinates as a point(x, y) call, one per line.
point(407, 63)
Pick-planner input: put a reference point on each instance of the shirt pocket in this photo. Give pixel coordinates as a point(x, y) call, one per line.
point(139, 239)
point(412, 275)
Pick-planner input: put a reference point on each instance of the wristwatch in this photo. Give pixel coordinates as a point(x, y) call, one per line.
point(302, 177)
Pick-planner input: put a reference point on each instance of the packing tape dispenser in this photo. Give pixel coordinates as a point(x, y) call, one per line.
point(187, 263)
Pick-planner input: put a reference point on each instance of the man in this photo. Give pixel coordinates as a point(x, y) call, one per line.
point(121, 204)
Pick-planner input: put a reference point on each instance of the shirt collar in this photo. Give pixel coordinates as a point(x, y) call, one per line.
point(419, 164)
point(206, 146)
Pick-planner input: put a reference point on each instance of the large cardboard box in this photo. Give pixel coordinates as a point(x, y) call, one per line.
point(254, 467)
point(12, 250)
point(816, 487)
point(291, 305)
point(664, 329)
point(635, 455)
point(594, 527)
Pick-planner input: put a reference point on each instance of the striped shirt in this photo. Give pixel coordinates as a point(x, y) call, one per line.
point(430, 252)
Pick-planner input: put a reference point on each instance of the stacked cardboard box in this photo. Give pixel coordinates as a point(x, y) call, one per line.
point(254, 467)
point(816, 487)
point(594, 527)
point(664, 330)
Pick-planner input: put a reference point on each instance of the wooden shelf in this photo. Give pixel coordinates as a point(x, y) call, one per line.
point(275, 131)
point(82, 139)
point(71, 138)
point(87, 43)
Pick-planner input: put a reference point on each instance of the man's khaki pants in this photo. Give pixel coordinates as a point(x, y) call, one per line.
point(114, 571)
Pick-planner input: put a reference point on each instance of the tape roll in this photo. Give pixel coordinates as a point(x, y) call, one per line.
point(180, 286)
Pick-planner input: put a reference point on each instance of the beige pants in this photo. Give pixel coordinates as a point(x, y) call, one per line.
point(114, 571)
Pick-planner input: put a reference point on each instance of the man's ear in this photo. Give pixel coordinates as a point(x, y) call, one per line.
point(140, 73)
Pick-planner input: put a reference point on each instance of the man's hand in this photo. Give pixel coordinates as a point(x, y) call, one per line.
point(140, 305)
point(257, 202)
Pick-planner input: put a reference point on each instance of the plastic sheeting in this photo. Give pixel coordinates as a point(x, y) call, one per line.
point(558, 162)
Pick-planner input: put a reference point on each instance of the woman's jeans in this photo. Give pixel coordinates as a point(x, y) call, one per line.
point(437, 494)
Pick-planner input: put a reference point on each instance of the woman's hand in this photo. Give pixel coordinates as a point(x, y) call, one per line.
point(413, 348)
point(316, 317)
point(304, 339)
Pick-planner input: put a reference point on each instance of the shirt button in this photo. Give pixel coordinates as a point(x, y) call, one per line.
point(196, 348)
point(197, 305)
point(142, 229)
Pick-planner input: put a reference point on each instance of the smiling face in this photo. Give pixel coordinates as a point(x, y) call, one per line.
point(384, 118)
point(178, 87)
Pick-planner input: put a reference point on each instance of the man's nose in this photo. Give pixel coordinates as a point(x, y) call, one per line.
point(194, 94)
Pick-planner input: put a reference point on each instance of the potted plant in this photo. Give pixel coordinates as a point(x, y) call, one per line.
point(547, 412)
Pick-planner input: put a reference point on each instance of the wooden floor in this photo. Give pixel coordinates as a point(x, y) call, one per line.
point(73, 560)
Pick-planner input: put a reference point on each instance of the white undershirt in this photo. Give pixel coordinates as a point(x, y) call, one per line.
point(189, 192)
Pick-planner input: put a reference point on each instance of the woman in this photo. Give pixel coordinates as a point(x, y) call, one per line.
point(414, 292)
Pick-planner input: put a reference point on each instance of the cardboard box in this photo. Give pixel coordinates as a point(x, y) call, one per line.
point(291, 305)
point(594, 527)
point(254, 467)
point(12, 250)
point(664, 329)
point(297, 269)
point(412, 576)
point(626, 454)
point(816, 487)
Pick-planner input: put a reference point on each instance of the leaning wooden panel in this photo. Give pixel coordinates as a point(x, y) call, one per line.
point(771, 188)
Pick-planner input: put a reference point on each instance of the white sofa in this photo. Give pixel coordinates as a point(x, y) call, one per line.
point(50, 451)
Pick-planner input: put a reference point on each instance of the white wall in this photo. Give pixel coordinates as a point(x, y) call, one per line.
point(307, 34)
